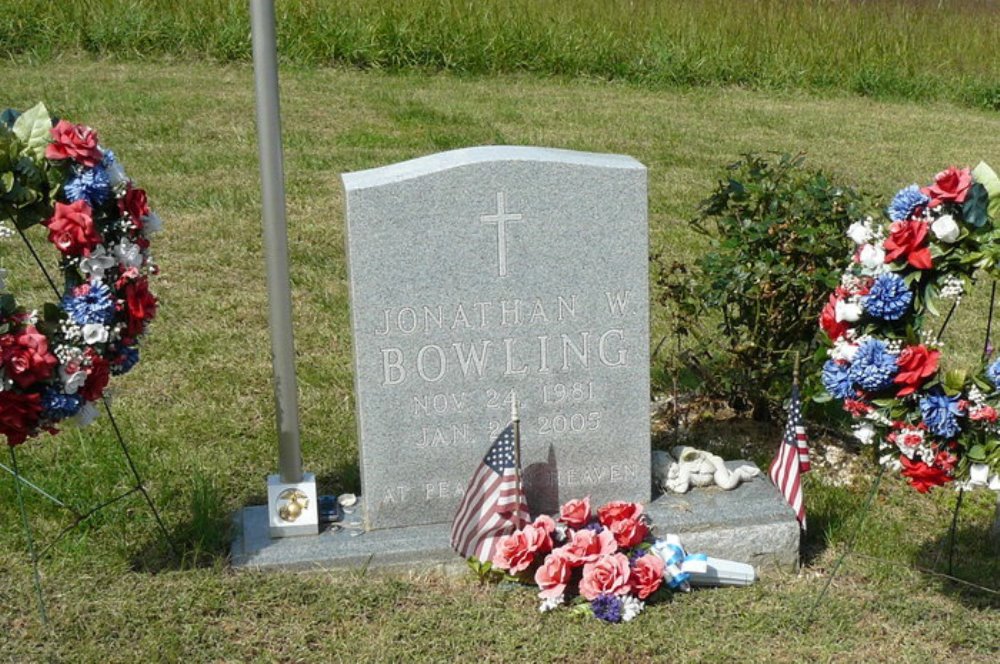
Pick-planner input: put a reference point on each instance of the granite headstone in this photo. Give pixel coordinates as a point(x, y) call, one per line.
point(484, 273)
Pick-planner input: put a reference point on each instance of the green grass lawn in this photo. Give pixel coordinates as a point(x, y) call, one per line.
point(199, 412)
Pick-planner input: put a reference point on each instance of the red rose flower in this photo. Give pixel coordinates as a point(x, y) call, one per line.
point(98, 374)
point(916, 364)
point(72, 229)
point(19, 414)
point(75, 142)
point(908, 239)
point(857, 408)
point(553, 575)
point(575, 513)
point(586, 546)
point(608, 575)
point(922, 477)
point(647, 575)
point(25, 356)
point(950, 184)
point(516, 552)
point(141, 304)
point(983, 413)
point(828, 320)
point(629, 532)
point(616, 511)
point(134, 204)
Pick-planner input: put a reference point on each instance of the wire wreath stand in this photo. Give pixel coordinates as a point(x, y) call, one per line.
point(873, 491)
point(79, 517)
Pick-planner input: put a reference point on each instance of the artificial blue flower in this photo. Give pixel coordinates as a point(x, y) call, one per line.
point(993, 373)
point(940, 413)
point(889, 298)
point(635, 556)
point(595, 526)
point(873, 368)
point(95, 305)
point(90, 185)
point(59, 406)
point(127, 358)
point(607, 607)
point(905, 201)
point(837, 380)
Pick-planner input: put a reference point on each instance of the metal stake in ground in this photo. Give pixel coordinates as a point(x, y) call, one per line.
point(291, 495)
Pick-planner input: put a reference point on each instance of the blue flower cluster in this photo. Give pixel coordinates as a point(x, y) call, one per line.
point(993, 373)
point(90, 185)
point(873, 368)
point(607, 607)
point(59, 406)
point(889, 298)
point(94, 306)
point(595, 526)
point(940, 413)
point(837, 380)
point(128, 357)
point(905, 201)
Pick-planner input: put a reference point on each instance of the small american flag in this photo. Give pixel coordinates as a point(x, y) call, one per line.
point(493, 504)
point(792, 459)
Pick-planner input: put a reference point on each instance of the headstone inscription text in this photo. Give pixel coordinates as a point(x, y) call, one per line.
point(482, 273)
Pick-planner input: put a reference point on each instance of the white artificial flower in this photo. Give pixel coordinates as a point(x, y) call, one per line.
point(847, 311)
point(843, 350)
point(550, 603)
point(995, 483)
point(86, 415)
point(860, 232)
point(979, 474)
point(97, 263)
point(72, 381)
point(128, 254)
point(872, 257)
point(631, 607)
point(151, 224)
point(946, 229)
point(865, 433)
point(95, 333)
point(5, 230)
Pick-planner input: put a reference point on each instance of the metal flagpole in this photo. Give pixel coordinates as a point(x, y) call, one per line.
point(515, 418)
point(290, 478)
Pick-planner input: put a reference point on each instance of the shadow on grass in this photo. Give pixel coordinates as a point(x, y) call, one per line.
point(200, 540)
point(974, 562)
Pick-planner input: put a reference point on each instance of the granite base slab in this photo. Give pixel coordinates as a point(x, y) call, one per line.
point(750, 524)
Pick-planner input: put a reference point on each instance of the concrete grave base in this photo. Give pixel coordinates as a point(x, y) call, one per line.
point(750, 524)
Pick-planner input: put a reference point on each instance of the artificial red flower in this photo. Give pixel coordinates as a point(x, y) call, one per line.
point(516, 552)
point(98, 375)
point(575, 513)
point(828, 320)
point(908, 239)
point(983, 413)
point(916, 364)
point(76, 142)
point(616, 511)
point(586, 546)
point(608, 575)
point(25, 356)
point(629, 532)
point(857, 408)
point(134, 203)
point(950, 184)
point(647, 575)
point(141, 304)
point(553, 575)
point(72, 230)
point(19, 414)
point(922, 477)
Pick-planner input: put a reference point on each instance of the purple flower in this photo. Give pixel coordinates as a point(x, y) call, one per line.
point(904, 202)
point(607, 607)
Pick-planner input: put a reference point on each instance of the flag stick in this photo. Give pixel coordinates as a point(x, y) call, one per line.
point(515, 418)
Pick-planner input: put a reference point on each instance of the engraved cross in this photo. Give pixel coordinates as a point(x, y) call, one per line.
point(501, 219)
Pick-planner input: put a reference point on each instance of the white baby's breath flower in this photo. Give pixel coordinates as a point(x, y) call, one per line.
point(550, 603)
point(631, 607)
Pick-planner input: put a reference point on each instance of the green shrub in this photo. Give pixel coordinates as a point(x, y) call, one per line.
point(776, 232)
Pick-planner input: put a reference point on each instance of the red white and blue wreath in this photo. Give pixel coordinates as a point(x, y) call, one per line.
point(55, 363)
point(934, 422)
